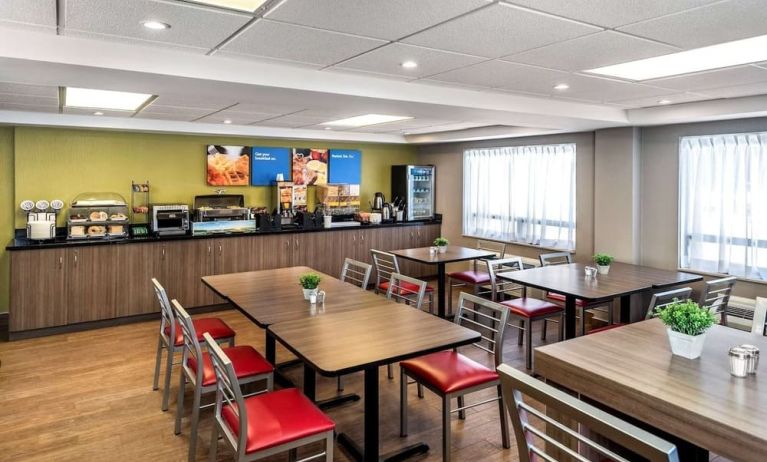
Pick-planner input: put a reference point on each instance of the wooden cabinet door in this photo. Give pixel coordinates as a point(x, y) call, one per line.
point(238, 254)
point(92, 283)
point(183, 264)
point(277, 251)
point(38, 290)
point(138, 265)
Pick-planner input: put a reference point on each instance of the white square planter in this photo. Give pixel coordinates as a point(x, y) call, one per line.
point(308, 292)
point(686, 346)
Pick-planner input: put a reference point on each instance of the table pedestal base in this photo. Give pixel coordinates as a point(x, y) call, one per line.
point(354, 451)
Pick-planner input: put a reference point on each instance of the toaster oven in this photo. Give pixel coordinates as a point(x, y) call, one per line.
point(170, 220)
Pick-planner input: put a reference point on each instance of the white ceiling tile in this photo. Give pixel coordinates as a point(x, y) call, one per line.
point(191, 101)
point(738, 90)
point(740, 75)
point(716, 23)
point(104, 112)
point(32, 100)
point(267, 107)
point(447, 127)
point(591, 51)
point(390, 19)
point(191, 25)
point(611, 13)
point(165, 116)
point(403, 125)
point(499, 30)
point(292, 121)
point(32, 90)
point(399, 78)
point(388, 60)
point(27, 107)
point(34, 14)
point(184, 113)
point(675, 98)
point(604, 90)
point(501, 74)
point(297, 43)
point(237, 118)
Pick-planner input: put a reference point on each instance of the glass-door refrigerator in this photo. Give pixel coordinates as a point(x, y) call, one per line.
point(415, 185)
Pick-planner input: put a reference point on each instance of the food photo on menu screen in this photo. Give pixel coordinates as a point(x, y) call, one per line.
point(310, 166)
point(228, 165)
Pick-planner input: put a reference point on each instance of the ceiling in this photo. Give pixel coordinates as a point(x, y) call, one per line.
point(295, 64)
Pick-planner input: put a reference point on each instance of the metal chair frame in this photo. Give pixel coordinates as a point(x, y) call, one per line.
point(396, 292)
point(759, 326)
point(716, 295)
point(193, 349)
point(516, 384)
point(228, 392)
point(164, 342)
point(386, 264)
point(501, 289)
point(562, 258)
point(496, 316)
point(663, 299)
point(356, 272)
point(499, 248)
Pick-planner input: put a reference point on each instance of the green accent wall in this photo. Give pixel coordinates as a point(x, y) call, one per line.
point(51, 163)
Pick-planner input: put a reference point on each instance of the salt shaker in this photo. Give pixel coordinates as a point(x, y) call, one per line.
point(313, 298)
point(321, 297)
point(753, 360)
point(739, 359)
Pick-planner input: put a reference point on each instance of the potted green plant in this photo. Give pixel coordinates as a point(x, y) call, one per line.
point(603, 261)
point(310, 282)
point(441, 244)
point(686, 325)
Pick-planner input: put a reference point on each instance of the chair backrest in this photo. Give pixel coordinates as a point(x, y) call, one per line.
point(192, 348)
point(663, 299)
point(356, 272)
point(405, 288)
point(228, 394)
point(533, 428)
point(760, 317)
point(716, 294)
point(167, 318)
point(501, 287)
point(555, 258)
point(486, 316)
point(385, 264)
point(498, 248)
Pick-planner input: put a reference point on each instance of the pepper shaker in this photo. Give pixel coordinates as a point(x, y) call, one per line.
point(739, 359)
point(753, 360)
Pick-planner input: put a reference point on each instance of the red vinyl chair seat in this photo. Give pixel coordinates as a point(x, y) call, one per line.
point(561, 298)
point(531, 307)
point(246, 362)
point(471, 277)
point(277, 418)
point(217, 329)
point(448, 371)
point(405, 288)
point(604, 328)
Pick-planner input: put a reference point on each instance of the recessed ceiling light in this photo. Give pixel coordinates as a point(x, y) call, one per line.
point(409, 64)
point(98, 113)
point(561, 86)
point(367, 119)
point(728, 54)
point(240, 5)
point(227, 121)
point(104, 99)
point(155, 25)
point(328, 128)
point(664, 101)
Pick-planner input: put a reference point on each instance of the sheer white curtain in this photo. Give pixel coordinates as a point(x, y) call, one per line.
point(723, 204)
point(521, 194)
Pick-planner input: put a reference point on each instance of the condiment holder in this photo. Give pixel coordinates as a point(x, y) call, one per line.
point(590, 272)
point(744, 360)
point(433, 250)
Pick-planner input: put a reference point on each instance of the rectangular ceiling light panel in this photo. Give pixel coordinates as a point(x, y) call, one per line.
point(104, 99)
point(365, 120)
point(240, 5)
point(750, 50)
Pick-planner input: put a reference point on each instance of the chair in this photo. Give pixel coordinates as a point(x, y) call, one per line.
point(533, 428)
point(474, 277)
point(760, 317)
point(405, 289)
point(716, 295)
point(197, 368)
point(450, 374)
point(526, 309)
point(356, 272)
point(663, 299)
point(563, 258)
point(169, 329)
point(265, 424)
point(386, 264)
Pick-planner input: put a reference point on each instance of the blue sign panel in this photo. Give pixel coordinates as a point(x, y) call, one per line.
point(267, 163)
point(345, 166)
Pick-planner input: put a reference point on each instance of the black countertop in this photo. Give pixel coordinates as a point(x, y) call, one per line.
point(22, 243)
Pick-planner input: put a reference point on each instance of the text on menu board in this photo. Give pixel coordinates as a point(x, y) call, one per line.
point(268, 163)
point(345, 166)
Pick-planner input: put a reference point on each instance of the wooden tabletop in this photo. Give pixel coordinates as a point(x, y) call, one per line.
point(454, 253)
point(623, 279)
point(341, 343)
point(271, 296)
point(631, 369)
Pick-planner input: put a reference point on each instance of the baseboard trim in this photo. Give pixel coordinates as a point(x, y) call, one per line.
point(91, 325)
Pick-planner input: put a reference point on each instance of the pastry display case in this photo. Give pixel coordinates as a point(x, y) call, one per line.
point(339, 199)
point(98, 216)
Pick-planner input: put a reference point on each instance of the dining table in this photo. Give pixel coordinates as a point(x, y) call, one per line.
point(695, 403)
point(452, 254)
point(622, 281)
point(364, 340)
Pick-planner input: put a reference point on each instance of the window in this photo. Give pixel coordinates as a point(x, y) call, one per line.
point(523, 194)
point(723, 204)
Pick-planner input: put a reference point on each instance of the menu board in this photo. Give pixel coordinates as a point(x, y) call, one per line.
point(268, 163)
point(310, 166)
point(345, 166)
point(228, 165)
